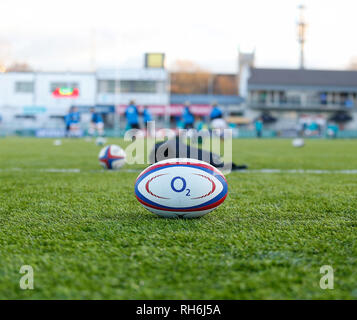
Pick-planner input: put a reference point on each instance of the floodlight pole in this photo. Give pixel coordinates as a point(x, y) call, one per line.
point(301, 35)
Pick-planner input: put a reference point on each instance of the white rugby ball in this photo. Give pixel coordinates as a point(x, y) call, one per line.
point(112, 157)
point(298, 142)
point(181, 187)
point(57, 142)
point(100, 141)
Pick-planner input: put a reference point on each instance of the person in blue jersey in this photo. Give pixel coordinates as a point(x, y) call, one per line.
point(147, 116)
point(72, 121)
point(75, 122)
point(259, 127)
point(216, 112)
point(96, 123)
point(132, 115)
point(75, 116)
point(67, 121)
point(332, 130)
point(187, 117)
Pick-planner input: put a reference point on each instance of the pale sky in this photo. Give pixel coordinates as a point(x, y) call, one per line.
point(59, 35)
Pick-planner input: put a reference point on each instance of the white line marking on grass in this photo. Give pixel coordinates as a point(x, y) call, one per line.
point(41, 170)
point(76, 170)
point(61, 170)
point(353, 171)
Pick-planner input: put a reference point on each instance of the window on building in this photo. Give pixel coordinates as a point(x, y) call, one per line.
point(131, 86)
point(262, 97)
point(319, 97)
point(25, 116)
point(107, 86)
point(294, 97)
point(282, 97)
point(24, 87)
point(56, 85)
point(161, 87)
point(141, 86)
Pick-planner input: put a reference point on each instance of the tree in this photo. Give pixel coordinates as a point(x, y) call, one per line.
point(353, 64)
point(5, 59)
point(4, 54)
point(186, 66)
point(225, 84)
point(189, 78)
point(19, 67)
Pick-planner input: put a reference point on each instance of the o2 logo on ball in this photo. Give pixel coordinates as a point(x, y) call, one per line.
point(183, 185)
point(181, 188)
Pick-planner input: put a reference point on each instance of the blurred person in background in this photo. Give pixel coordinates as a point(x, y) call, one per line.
point(218, 124)
point(216, 112)
point(202, 129)
point(147, 116)
point(216, 117)
point(332, 130)
point(96, 123)
point(76, 118)
point(313, 129)
point(259, 127)
point(187, 117)
point(67, 121)
point(300, 129)
point(176, 121)
point(132, 116)
point(72, 120)
point(200, 124)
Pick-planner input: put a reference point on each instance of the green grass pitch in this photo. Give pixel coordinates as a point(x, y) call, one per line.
point(87, 237)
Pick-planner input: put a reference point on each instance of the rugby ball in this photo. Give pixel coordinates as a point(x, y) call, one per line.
point(57, 142)
point(181, 187)
point(100, 141)
point(112, 157)
point(298, 142)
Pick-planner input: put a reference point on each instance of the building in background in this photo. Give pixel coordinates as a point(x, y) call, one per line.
point(293, 97)
point(147, 87)
point(39, 100)
point(287, 100)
